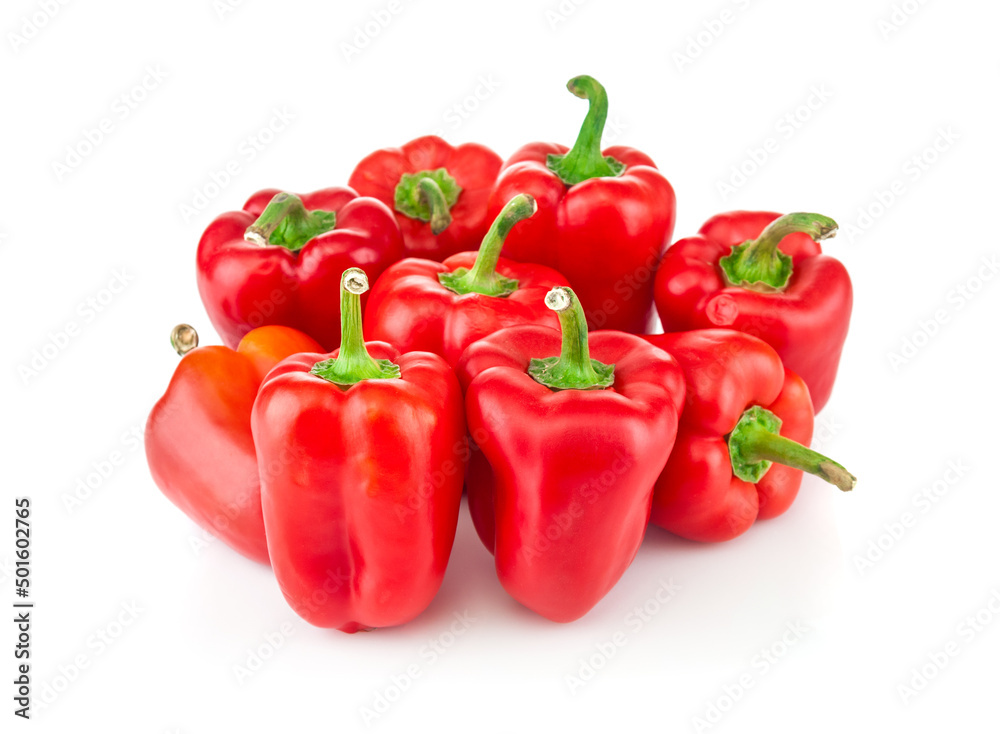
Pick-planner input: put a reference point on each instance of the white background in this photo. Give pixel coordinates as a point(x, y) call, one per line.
point(889, 93)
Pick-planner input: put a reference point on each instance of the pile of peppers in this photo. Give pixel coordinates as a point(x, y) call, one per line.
point(451, 323)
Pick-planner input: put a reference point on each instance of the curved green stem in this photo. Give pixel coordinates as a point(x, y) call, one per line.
point(585, 160)
point(353, 364)
point(759, 264)
point(483, 277)
point(755, 444)
point(428, 196)
point(573, 369)
point(436, 202)
point(287, 223)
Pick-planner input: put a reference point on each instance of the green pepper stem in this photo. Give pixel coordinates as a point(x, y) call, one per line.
point(575, 351)
point(484, 270)
point(353, 364)
point(817, 226)
point(755, 444)
point(573, 368)
point(427, 196)
point(483, 277)
point(778, 449)
point(434, 197)
point(759, 264)
point(585, 160)
point(287, 223)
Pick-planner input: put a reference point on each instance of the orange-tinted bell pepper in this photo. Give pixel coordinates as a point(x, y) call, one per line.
point(198, 442)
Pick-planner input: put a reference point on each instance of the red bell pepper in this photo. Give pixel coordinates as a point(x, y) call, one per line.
point(570, 449)
point(604, 220)
point(198, 441)
point(422, 305)
point(360, 526)
point(766, 275)
point(741, 446)
point(279, 260)
point(438, 192)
